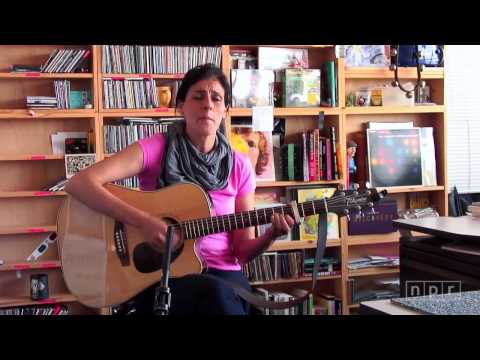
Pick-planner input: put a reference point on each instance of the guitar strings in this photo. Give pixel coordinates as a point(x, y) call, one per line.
point(239, 217)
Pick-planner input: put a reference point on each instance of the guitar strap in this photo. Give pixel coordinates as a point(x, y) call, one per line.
point(259, 301)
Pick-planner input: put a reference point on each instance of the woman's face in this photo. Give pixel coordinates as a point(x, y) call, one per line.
point(204, 107)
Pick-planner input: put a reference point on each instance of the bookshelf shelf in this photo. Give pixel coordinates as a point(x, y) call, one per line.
point(10, 230)
point(372, 110)
point(373, 271)
point(353, 240)
point(354, 306)
point(25, 301)
point(158, 112)
point(263, 184)
point(407, 189)
point(51, 113)
point(144, 76)
point(44, 76)
point(30, 265)
point(26, 194)
point(31, 157)
point(235, 112)
point(385, 73)
point(296, 280)
point(300, 244)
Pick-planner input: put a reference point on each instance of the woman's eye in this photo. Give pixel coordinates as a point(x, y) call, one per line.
point(251, 143)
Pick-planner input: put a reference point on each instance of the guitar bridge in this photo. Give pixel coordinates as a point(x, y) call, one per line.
point(121, 246)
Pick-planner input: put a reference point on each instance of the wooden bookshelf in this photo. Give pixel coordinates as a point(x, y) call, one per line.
point(10, 230)
point(371, 110)
point(295, 280)
point(27, 194)
point(27, 164)
point(26, 301)
point(373, 271)
point(301, 244)
point(41, 76)
point(385, 73)
point(281, 112)
point(31, 166)
point(35, 265)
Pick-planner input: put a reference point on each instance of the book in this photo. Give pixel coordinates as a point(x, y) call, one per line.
point(252, 87)
point(258, 146)
point(429, 164)
point(309, 227)
point(328, 84)
point(302, 88)
point(379, 222)
point(77, 162)
point(394, 157)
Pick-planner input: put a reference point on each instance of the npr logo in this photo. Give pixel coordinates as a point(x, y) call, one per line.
point(423, 288)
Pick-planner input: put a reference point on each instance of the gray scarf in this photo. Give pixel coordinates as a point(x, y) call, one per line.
point(184, 163)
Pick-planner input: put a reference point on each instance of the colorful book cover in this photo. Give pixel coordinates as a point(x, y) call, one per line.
point(429, 165)
point(394, 157)
point(302, 88)
point(258, 146)
point(252, 87)
point(309, 227)
point(273, 58)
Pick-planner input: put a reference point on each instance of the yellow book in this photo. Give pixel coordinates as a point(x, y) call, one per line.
point(309, 227)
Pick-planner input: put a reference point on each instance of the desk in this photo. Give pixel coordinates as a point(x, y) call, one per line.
point(464, 228)
point(427, 263)
point(462, 303)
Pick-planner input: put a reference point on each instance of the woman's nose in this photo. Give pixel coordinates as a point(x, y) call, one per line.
point(208, 103)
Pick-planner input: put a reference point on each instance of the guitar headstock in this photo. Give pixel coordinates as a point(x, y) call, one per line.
point(342, 202)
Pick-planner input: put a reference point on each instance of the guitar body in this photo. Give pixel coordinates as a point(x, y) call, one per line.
point(91, 264)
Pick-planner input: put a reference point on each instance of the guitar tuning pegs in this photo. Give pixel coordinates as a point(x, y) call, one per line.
point(370, 204)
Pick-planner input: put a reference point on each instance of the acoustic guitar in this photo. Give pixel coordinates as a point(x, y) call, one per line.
point(106, 262)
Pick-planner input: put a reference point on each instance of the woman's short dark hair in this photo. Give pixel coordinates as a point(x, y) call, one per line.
point(203, 72)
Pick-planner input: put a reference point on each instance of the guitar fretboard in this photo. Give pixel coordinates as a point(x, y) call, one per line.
point(217, 224)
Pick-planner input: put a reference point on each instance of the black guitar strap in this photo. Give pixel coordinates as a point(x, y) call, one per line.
point(258, 301)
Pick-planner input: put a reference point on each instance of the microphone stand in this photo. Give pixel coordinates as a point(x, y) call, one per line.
point(162, 292)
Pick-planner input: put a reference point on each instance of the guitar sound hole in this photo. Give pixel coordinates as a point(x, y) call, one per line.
point(147, 259)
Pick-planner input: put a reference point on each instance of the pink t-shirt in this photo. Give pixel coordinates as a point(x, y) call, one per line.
point(216, 250)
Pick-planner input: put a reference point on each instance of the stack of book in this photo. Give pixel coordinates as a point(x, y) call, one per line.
point(132, 93)
point(373, 261)
point(275, 265)
point(65, 60)
point(41, 102)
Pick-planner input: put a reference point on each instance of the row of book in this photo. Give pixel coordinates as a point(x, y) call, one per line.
point(316, 158)
point(36, 310)
point(65, 60)
point(320, 304)
point(130, 94)
point(287, 265)
point(131, 59)
point(128, 130)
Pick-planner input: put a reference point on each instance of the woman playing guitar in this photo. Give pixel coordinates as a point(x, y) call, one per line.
point(201, 154)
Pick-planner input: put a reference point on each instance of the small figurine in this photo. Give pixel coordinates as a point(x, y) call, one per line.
point(352, 167)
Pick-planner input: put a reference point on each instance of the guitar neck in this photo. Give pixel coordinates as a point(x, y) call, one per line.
point(217, 224)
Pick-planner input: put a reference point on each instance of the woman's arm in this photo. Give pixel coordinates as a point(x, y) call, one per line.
point(87, 186)
point(245, 245)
